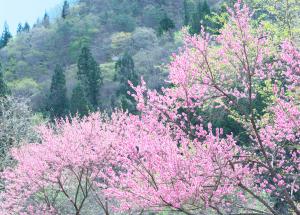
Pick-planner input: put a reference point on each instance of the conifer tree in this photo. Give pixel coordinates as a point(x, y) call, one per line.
point(26, 27)
point(65, 10)
point(188, 7)
point(58, 102)
point(186, 12)
point(3, 87)
point(89, 75)
point(19, 28)
point(205, 8)
point(195, 24)
point(38, 23)
point(125, 72)
point(79, 104)
point(6, 36)
point(46, 20)
point(199, 17)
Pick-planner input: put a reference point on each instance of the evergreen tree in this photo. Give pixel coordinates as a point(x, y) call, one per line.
point(79, 104)
point(65, 10)
point(195, 24)
point(125, 72)
point(3, 87)
point(165, 25)
point(6, 36)
point(19, 28)
point(89, 75)
point(38, 23)
point(205, 8)
point(199, 17)
point(206, 14)
point(58, 102)
point(186, 13)
point(46, 20)
point(188, 8)
point(26, 27)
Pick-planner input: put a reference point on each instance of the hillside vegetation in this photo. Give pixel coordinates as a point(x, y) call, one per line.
point(109, 29)
point(152, 107)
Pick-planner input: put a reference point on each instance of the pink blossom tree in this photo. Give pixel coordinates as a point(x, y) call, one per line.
point(168, 158)
point(69, 167)
point(162, 168)
point(225, 71)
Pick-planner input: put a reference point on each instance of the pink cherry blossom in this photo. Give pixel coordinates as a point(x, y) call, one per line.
point(167, 157)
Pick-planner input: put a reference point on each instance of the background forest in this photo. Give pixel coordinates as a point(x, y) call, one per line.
point(124, 39)
point(80, 60)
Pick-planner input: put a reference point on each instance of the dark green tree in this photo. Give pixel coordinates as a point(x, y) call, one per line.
point(79, 104)
point(187, 7)
point(165, 25)
point(186, 13)
point(199, 18)
point(205, 9)
point(26, 27)
point(195, 24)
point(66, 10)
point(125, 72)
point(19, 28)
point(46, 20)
point(90, 76)
point(6, 36)
point(58, 101)
point(3, 87)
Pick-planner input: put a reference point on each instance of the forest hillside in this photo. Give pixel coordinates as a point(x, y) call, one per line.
point(154, 107)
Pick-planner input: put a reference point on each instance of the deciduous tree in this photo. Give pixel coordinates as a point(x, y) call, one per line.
point(3, 86)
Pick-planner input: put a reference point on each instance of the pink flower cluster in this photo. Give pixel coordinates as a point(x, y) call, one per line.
point(74, 154)
point(166, 158)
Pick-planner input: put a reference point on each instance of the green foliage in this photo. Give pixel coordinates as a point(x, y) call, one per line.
point(217, 19)
point(26, 27)
point(123, 22)
point(204, 8)
point(3, 87)
point(152, 16)
point(19, 28)
point(66, 10)
point(103, 25)
point(108, 71)
point(144, 38)
point(125, 72)
point(58, 102)
point(90, 76)
point(79, 104)
point(17, 124)
point(187, 5)
point(199, 17)
point(6, 36)
point(280, 18)
point(165, 25)
point(46, 20)
point(24, 87)
point(121, 42)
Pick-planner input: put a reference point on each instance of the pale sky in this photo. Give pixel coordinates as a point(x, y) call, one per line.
point(15, 11)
